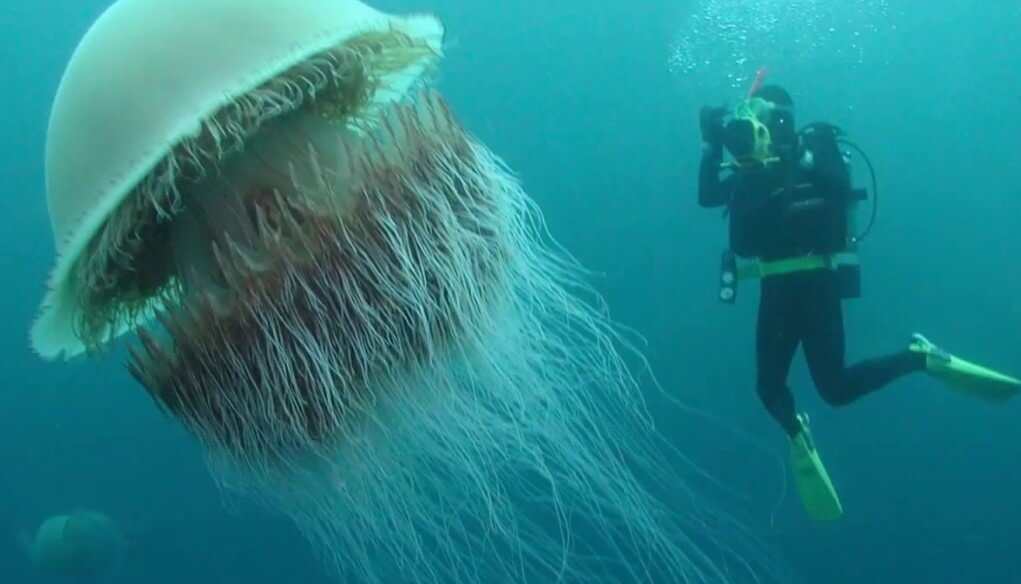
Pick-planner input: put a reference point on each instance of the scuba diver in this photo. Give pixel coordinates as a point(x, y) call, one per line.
point(790, 205)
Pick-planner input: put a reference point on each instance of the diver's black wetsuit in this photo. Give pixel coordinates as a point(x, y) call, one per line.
point(784, 211)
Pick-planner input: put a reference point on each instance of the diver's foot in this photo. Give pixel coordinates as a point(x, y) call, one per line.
point(963, 376)
point(818, 495)
point(933, 354)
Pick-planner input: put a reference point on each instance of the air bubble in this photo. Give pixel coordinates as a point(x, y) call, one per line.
point(722, 38)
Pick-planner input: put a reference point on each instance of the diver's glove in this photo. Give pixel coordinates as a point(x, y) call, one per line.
point(711, 122)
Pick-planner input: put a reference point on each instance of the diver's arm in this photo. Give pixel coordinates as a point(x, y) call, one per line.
point(712, 192)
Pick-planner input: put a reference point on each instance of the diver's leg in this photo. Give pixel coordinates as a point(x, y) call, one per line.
point(776, 340)
point(811, 480)
point(824, 345)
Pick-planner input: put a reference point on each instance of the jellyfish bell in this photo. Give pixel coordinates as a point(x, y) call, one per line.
point(83, 546)
point(347, 298)
point(154, 87)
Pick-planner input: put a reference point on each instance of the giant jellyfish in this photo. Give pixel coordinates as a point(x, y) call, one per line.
point(348, 299)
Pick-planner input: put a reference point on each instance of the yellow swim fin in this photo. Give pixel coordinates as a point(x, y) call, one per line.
point(813, 483)
point(966, 377)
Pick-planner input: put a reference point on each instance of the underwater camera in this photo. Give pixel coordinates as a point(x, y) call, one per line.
point(747, 139)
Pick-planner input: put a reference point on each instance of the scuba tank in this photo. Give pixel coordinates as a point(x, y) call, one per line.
point(837, 135)
point(849, 277)
point(851, 282)
point(848, 274)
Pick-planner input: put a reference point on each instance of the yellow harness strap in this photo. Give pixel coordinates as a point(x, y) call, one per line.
point(760, 269)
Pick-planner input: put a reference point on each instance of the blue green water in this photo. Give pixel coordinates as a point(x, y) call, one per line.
point(587, 102)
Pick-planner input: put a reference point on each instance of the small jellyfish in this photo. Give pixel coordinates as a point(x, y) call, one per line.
point(83, 546)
